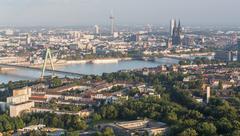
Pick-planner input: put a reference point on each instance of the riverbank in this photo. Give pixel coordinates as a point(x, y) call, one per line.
point(86, 69)
point(190, 55)
point(6, 69)
point(60, 63)
point(96, 61)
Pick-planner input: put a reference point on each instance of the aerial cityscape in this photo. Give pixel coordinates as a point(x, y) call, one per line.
point(119, 68)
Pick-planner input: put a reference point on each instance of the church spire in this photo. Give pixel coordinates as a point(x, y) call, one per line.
point(179, 24)
point(175, 23)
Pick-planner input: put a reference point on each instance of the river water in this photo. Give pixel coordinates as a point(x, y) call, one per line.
point(96, 69)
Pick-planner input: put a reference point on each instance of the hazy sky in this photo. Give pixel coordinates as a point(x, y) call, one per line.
point(82, 12)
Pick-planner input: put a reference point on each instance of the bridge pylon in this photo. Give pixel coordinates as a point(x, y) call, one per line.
point(48, 56)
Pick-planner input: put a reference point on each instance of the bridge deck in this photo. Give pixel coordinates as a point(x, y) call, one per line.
point(39, 69)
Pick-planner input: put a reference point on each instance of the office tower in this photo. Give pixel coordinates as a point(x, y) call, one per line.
point(172, 25)
point(225, 56)
point(208, 94)
point(238, 50)
point(202, 40)
point(177, 34)
point(149, 28)
point(97, 29)
point(28, 39)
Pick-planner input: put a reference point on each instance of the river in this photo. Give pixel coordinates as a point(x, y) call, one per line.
point(96, 69)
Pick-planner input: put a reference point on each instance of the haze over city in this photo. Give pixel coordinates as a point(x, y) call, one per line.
point(86, 12)
point(119, 68)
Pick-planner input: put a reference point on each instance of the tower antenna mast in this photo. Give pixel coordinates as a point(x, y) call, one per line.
point(112, 18)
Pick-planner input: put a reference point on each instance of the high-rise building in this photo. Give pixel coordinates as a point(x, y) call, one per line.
point(19, 102)
point(177, 34)
point(149, 28)
point(208, 91)
point(224, 55)
point(28, 39)
point(97, 29)
point(238, 50)
point(132, 38)
point(172, 25)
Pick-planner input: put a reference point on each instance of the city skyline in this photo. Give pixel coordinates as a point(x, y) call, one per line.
point(119, 67)
point(83, 12)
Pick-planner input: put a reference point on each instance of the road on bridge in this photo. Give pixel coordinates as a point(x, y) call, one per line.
point(39, 69)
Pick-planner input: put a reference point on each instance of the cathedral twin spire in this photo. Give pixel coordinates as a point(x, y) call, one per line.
point(177, 33)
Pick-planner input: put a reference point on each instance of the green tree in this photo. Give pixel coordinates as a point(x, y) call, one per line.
point(96, 117)
point(189, 122)
point(220, 85)
point(18, 123)
point(80, 125)
point(108, 132)
point(235, 133)
point(133, 92)
point(171, 117)
point(54, 122)
point(224, 126)
point(236, 125)
point(1, 127)
point(109, 112)
point(7, 125)
point(72, 134)
point(55, 82)
point(188, 132)
point(53, 104)
point(206, 129)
